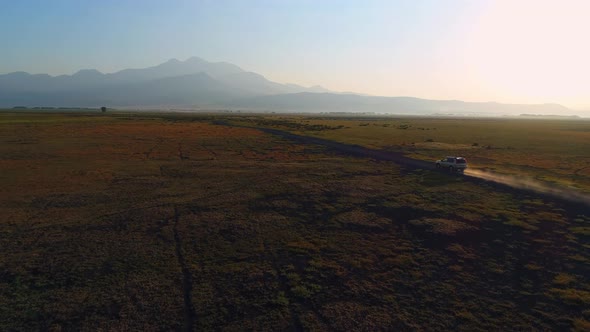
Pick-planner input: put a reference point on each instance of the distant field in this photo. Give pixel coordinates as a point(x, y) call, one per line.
point(548, 150)
point(167, 221)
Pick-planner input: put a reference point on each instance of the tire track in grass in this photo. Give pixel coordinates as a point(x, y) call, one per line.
point(187, 279)
point(181, 155)
point(295, 322)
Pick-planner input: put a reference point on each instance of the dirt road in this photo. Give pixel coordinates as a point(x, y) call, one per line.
point(505, 182)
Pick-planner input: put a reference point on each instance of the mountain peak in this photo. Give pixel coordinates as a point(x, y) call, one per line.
point(191, 81)
point(87, 72)
point(195, 59)
point(318, 88)
point(17, 74)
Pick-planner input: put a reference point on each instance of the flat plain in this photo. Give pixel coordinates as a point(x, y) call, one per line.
point(174, 221)
point(550, 150)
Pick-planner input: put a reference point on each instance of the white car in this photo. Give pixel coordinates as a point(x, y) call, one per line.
point(453, 164)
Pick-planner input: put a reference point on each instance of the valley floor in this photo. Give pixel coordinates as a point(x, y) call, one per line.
point(158, 222)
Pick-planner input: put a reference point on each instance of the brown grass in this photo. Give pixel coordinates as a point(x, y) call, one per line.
point(160, 222)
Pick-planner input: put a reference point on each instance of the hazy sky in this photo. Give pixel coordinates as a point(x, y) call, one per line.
point(526, 51)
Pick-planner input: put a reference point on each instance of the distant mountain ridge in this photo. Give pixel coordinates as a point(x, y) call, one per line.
point(190, 82)
point(330, 102)
point(199, 83)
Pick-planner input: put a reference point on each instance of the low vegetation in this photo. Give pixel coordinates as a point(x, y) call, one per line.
point(156, 222)
point(551, 150)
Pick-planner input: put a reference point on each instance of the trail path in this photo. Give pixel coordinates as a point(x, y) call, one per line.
point(505, 182)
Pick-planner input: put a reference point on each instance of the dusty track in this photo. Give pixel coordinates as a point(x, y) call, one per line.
point(578, 201)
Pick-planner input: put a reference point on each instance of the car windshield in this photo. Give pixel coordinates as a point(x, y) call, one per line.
point(461, 161)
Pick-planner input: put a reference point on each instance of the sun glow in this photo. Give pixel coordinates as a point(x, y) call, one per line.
point(532, 50)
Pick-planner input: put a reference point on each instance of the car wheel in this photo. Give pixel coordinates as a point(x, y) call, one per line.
point(437, 165)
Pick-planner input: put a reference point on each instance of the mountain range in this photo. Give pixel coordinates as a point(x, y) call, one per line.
point(199, 83)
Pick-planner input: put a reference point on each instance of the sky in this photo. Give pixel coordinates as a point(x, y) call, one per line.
point(513, 51)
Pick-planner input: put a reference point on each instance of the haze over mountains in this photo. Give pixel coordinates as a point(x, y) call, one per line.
point(191, 82)
point(198, 83)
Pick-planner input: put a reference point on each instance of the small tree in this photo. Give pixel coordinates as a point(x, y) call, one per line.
point(103, 109)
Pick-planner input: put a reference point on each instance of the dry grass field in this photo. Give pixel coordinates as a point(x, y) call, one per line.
point(551, 150)
point(165, 221)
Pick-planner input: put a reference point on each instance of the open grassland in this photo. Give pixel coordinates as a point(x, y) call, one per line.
point(158, 222)
point(548, 150)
